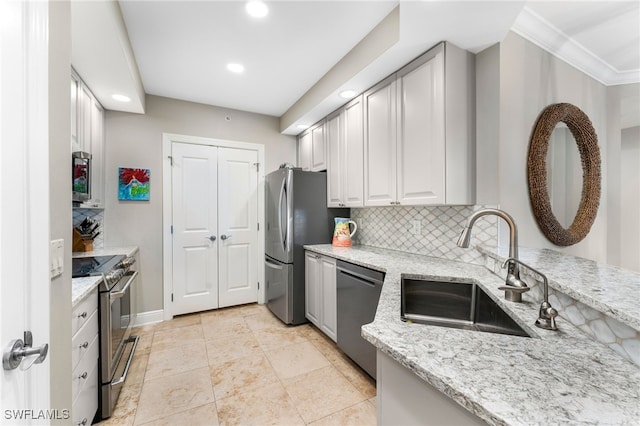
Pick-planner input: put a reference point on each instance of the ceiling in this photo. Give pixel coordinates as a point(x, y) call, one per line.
point(303, 53)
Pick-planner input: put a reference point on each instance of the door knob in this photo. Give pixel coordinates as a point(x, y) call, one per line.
point(18, 350)
point(213, 237)
point(224, 237)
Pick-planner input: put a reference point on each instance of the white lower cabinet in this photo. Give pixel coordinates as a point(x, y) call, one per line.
point(320, 293)
point(402, 398)
point(84, 359)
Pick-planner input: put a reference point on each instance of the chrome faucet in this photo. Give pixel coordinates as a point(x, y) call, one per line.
point(547, 315)
point(514, 286)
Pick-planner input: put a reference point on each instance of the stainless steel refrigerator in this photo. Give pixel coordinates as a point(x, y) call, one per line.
point(296, 214)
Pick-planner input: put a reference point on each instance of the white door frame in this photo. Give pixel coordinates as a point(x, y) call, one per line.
point(167, 202)
point(24, 183)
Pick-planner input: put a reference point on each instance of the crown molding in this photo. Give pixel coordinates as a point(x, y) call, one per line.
point(542, 33)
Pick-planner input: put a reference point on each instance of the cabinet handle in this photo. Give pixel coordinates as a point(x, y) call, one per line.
point(83, 315)
point(84, 345)
point(83, 375)
point(83, 422)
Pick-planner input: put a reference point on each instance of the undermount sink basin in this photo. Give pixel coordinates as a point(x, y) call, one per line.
point(454, 304)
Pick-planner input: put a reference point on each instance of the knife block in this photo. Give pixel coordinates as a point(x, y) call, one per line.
point(81, 245)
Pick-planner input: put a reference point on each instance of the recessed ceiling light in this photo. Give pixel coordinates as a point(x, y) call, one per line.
point(257, 9)
point(236, 68)
point(348, 94)
point(302, 126)
point(121, 98)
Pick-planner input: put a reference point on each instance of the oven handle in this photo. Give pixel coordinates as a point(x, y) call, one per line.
point(118, 294)
point(121, 380)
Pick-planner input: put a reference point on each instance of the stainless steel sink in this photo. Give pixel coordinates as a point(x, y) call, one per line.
point(454, 304)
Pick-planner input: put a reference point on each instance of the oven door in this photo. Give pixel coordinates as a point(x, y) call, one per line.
point(121, 318)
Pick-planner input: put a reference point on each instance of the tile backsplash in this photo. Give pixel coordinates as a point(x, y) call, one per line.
point(394, 228)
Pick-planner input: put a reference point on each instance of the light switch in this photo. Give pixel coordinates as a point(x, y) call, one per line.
point(56, 257)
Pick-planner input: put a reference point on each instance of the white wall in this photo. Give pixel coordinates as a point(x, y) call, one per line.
point(530, 80)
point(60, 201)
point(134, 140)
point(630, 197)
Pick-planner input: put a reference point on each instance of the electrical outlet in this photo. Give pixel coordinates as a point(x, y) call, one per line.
point(416, 227)
point(360, 223)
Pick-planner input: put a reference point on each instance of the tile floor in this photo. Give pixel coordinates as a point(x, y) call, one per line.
point(241, 366)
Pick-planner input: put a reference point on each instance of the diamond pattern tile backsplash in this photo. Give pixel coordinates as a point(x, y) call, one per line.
point(391, 227)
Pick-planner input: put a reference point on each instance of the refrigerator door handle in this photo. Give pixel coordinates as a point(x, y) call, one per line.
point(283, 232)
point(274, 265)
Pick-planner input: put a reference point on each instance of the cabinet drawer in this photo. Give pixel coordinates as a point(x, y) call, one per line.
point(86, 403)
point(81, 342)
point(83, 311)
point(81, 375)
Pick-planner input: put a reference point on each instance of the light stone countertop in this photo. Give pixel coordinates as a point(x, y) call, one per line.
point(81, 287)
point(605, 288)
point(560, 377)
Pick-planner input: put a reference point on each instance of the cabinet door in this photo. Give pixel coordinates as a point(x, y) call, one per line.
point(421, 131)
point(335, 157)
point(75, 86)
point(318, 154)
point(329, 302)
point(353, 169)
point(97, 154)
point(380, 144)
point(304, 151)
point(84, 118)
point(312, 284)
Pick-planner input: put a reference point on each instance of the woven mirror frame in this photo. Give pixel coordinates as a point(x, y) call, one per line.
point(587, 140)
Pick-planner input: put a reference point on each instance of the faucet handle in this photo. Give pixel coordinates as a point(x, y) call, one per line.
point(514, 289)
point(547, 317)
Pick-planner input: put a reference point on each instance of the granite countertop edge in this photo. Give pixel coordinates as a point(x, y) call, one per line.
point(82, 287)
point(565, 376)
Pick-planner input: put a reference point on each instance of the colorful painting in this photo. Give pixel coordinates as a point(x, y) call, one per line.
point(133, 184)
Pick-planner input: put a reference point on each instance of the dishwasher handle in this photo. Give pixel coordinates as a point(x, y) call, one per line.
point(360, 277)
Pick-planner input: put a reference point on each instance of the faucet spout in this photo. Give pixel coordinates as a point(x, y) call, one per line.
point(514, 287)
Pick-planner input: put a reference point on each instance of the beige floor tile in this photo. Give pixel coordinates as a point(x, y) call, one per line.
point(362, 414)
point(310, 331)
point(144, 343)
point(355, 375)
point(179, 321)
point(177, 337)
point(321, 393)
point(272, 338)
point(262, 320)
point(125, 410)
point(176, 360)
point(174, 394)
point(138, 368)
point(218, 314)
point(326, 346)
point(205, 415)
point(226, 349)
point(224, 328)
point(267, 405)
point(294, 360)
point(144, 329)
point(240, 374)
point(373, 401)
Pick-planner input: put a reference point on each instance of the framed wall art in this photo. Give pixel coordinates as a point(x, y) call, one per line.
point(133, 184)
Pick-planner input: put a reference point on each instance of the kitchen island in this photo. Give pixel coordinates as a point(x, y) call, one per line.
point(554, 377)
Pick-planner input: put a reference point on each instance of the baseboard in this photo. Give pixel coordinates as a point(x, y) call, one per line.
point(151, 317)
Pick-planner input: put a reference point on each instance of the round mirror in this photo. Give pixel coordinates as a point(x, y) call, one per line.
point(580, 127)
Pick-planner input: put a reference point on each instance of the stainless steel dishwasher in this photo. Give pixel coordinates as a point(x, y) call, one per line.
point(358, 294)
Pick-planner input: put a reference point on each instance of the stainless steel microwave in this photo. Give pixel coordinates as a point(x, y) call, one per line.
point(81, 176)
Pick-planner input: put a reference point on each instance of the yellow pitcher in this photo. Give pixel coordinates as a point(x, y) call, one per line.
point(342, 234)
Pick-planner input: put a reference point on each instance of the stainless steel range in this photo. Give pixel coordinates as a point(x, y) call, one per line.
point(116, 317)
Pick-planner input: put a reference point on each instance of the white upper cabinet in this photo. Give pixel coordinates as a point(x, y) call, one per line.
point(87, 134)
point(345, 152)
point(380, 144)
point(419, 132)
point(311, 149)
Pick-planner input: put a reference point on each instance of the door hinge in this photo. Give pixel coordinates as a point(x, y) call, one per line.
point(258, 226)
point(258, 285)
point(257, 167)
point(170, 159)
point(172, 297)
point(172, 229)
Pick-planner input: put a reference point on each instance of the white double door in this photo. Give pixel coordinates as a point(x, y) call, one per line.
point(215, 227)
